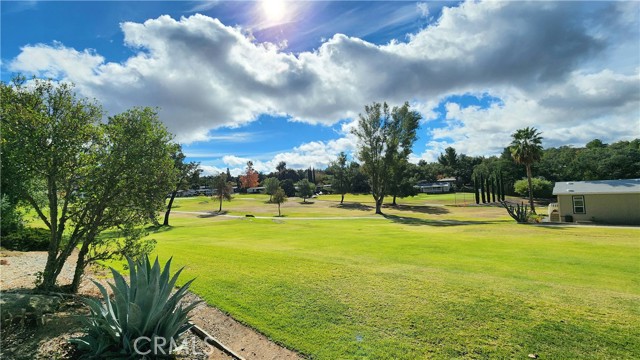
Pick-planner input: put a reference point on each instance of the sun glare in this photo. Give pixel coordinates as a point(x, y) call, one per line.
point(274, 10)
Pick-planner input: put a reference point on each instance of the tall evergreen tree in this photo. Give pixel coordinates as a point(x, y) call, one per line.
point(484, 200)
point(475, 189)
point(488, 188)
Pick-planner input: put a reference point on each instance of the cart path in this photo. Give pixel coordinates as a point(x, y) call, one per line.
point(207, 213)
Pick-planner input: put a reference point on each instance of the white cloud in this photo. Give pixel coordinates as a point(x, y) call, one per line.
point(561, 77)
point(423, 9)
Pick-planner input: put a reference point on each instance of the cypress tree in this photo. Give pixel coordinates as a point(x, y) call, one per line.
point(493, 187)
point(484, 201)
point(488, 189)
point(475, 189)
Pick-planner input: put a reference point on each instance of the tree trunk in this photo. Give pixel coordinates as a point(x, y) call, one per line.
point(80, 265)
point(166, 214)
point(342, 199)
point(279, 215)
point(48, 275)
point(379, 206)
point(533, 209)
point(220, 209)
point(394, 201)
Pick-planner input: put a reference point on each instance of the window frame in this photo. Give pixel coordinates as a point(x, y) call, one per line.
point(579, 198)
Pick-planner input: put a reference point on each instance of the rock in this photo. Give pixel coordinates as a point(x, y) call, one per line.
point(17, 303)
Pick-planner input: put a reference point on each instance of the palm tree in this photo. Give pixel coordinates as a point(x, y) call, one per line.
point(526, 149)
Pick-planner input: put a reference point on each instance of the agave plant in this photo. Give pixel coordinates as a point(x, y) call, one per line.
point(143, 317)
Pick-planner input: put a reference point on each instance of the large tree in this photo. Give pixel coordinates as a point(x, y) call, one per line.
point(383, 139)
point(449, 158)
point(305, 189)
point(186, 172)
point(250, 177)
point(526, 149)
point(341, 180)
point(223, 189)
point(404, 127)
point(82, 176)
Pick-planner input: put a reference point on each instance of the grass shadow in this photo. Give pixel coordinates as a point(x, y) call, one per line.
point(427, 222)
point(306, 203)
point(212, 214)
point(424, 209)
point(353, 206)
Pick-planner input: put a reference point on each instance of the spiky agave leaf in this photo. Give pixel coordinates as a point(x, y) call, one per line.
point(146, 306)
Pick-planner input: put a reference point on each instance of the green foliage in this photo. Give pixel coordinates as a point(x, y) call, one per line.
point(187, 173)
point(271, 185)
point(385, 138)
point(128, 322)
point(595, 161)
point(526, 146)
point(305, 189)
point(279, 197)
point(223, 189)
point(10, 217)
point(27, 239)
point(541, 188)
point(342, 177)
point(81, 175)
point(289, 187)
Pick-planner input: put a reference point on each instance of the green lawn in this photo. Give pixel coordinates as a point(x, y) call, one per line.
point(430, 281)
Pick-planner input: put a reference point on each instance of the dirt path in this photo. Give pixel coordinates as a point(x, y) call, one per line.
point(18, 273)
point(213, 213)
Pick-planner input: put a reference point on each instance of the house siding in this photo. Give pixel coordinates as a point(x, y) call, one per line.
point(604, 208)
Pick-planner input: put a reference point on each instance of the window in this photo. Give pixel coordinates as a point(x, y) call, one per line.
point(578, 205)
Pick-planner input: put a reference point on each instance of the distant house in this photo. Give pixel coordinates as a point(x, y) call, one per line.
point(433, 188)
point(256, 190)
point(604, 201)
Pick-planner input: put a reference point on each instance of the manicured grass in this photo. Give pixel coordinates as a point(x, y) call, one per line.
point(354, 206)
point(426, 282)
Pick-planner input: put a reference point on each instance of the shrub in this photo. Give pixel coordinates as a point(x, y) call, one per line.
point(10, 217)
point(541, 188)
point(140, 317)
point(27, 239)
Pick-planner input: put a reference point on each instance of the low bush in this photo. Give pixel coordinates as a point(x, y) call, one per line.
point(27, 239)
point(541, 188)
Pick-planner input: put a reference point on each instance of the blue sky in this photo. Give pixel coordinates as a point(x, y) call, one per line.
point(278, 81)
